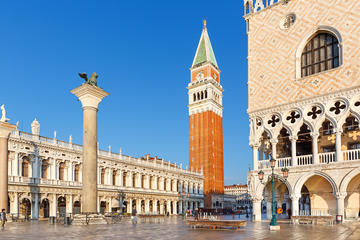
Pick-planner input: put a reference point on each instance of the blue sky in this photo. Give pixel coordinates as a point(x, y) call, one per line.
point(142, 51)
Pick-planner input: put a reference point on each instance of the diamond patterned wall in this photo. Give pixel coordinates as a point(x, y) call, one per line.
point(272, 51)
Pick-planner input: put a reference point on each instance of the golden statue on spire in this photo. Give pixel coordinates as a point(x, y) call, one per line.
point(204, 23)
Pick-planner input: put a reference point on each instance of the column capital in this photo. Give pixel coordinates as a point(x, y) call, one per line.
point(295, 196)
point(5, 129)
point(293, 138)
point(340, 195)
point(273, 140)
point(314, 135)
point(89, 95)
point(338, 131)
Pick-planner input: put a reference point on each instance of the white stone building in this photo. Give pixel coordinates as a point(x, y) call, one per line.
point(243, 200)
point(304, 105)
point(45, 179)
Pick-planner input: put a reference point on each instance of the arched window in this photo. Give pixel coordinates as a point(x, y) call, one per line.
point(61, 171)
point(321, 53)
point(77, 171)
point(114, 177)
point(205, 93)
point(198, 96)
point(202, 95)
point(102, 176)
point(194, 95)
point(25, 168)
point(44, 167)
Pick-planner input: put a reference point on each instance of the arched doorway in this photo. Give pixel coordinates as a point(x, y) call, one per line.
point(61, 206)
point(151, 209)
point(321, 194)
point(25, 208)
point(142, 206)
point(282, 200)
point(102, 207)
point(25, 172)
point(352, 200)
point(44, 208)
point(304, 202)
point(77, 207)
point(158, 207)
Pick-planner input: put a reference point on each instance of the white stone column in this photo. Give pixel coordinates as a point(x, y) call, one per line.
point(110, 205)
point(295, 204)
point(180, 207)
point(15, 205)
point(35, 212)
point(53, 169)
point(90, 97)
point(138, 205)
point(69, 205)
point(273, 148)
point(315, 137)
point(155, 207)
point(53, 206)
point(339, 156)
point(15, 170)
point(175, 207)
point(168, 207)
point(256, 210)
point(255, 157)
point(120, 177)
point(161, 207)
point(129, 206)
point(147, 206)
point(5, 130)
point(98, 204)
point(293, 140)
point(70, 172)
point(340, 204)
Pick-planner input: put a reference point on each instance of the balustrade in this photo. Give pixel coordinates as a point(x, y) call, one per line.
point(305, 159)
point(328, 157)
point(350, 155)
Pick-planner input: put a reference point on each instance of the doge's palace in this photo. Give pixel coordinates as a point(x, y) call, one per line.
point(304, 105)
point(45, 179)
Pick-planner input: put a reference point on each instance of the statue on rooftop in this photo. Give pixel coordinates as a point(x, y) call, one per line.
point(92, 80)
point(3, 114)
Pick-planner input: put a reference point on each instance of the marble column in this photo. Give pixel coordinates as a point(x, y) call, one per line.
point(69, 205)
point(35, 205)
point(256, 210)
point(161, 207)
point(339, 157)
point(295, 204)
point(315, 137)
point(155, 207)
point(340, 204)
point(255, 157)
point(90, 97)
point(174, 207)
point(5, 130)
point(53, 206)
point(293, 151)
point(273, 148)
point(147, 206)
point(129, 206)
point(180, 207)
point(15, 205)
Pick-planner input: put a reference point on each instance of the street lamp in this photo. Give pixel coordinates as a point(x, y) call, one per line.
point(285, 172)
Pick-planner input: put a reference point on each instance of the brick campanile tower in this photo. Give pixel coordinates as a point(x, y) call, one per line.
point(205, 119)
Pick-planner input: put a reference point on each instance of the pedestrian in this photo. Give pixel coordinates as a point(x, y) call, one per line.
point(3, 218)
point(133, 216)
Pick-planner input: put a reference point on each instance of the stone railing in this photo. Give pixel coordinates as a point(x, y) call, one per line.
point(259, 5)
point(328, 157)
point(102, 153)
point(324, 158)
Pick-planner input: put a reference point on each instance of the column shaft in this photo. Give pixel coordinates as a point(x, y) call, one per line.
point(89, 189)
point(255, 157)
point(3, 173)
point(339, 157)
point(293, 152)
point(315, 148)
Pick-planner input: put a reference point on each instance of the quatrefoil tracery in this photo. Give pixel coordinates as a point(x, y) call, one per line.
point(293, 116)
point(315, 112)
point(273, 120)
point(338, 107)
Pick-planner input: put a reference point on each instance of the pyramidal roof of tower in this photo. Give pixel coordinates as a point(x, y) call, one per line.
point(204, 51)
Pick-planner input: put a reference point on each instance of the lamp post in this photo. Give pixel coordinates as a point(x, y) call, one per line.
point(273, 223)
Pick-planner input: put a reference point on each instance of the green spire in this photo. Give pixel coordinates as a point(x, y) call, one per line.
point(204, 52)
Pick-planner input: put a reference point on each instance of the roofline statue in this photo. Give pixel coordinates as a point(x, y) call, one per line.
point(3, 114)
point(92, 80)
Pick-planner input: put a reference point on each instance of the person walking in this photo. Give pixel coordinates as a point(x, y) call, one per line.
point(3, 218)
point(133, 216)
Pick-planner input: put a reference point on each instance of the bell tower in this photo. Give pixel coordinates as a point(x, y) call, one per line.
point(205, 118)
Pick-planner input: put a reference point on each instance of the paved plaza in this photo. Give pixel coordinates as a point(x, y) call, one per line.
point(175, 228)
